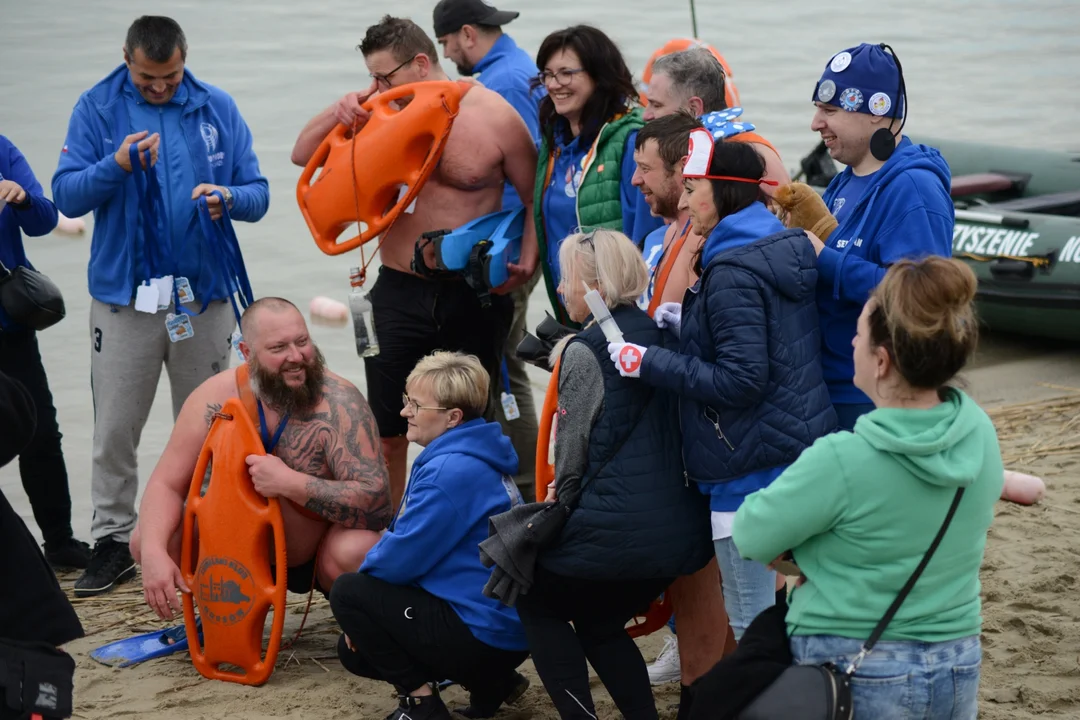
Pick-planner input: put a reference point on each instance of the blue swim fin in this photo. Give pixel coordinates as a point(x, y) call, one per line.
point(479, 249)
point(137, 649)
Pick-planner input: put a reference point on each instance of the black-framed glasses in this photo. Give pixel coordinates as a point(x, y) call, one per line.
point(562, 77)
point(408, 402)
point(385, 79)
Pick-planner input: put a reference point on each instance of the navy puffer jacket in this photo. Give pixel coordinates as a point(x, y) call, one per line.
point(748, 370)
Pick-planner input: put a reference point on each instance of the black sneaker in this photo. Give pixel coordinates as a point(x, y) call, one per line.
point(110, 564)
point(475, 711)
point(430, 707)
point(71, 554)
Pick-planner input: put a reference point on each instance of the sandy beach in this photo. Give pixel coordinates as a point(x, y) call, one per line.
point(1031, 605)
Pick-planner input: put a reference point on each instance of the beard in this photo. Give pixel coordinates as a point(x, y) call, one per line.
point(465, 70)
point(271, 387)
point(666, 207)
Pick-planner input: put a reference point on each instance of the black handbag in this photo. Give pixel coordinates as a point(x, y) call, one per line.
point(823, 692)
point(29, 298)
point(36, 680)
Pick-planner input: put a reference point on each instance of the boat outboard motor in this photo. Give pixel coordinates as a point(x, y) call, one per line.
point(479, 250)
point(536, 349)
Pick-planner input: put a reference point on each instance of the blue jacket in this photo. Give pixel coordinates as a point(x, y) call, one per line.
point(508, 70)
point(636, 517)
point(460, 480)
point(906, 212)
point(37, 216)
point(748, 369)
point(89, 179)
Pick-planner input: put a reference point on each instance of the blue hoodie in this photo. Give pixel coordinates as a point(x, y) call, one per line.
point(509, 71)
point(215, 146)
point(459, 481)
point(36, 216)
point(905, 212)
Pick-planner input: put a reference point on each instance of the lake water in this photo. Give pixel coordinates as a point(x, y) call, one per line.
point(994, 71)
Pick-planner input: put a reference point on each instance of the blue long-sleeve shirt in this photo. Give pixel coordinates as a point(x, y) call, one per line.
point(35, 215)
point(204, 140)
point(508, 70)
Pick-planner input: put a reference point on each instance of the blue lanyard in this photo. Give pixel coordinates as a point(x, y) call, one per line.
point(220, 241)
point(270, 443)
point(151, 208)
point(505, 377)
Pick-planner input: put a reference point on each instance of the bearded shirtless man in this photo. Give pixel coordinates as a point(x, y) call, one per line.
point(326, 467)
point(488, 145)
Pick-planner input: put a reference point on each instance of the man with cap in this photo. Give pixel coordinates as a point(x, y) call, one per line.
point(891, 202)
point(470, 32)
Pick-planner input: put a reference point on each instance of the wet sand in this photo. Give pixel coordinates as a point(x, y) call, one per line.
point(1030, 586)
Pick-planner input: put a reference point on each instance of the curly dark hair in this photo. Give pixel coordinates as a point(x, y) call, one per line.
point(401, 36)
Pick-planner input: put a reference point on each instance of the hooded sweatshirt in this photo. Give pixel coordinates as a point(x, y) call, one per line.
point(859, 510)
point(904, 212)
point(462, 478)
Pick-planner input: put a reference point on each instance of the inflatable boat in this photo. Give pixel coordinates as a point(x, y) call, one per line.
point(1017, 226)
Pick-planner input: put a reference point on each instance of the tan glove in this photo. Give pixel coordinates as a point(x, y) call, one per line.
point(805, 209)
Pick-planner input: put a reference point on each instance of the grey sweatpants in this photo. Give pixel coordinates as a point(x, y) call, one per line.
point(127, 349)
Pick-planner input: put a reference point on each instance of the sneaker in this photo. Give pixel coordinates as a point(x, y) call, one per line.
point(474, 711)
point(666, 668)
point(110, 564)
point(71, 554)
point(430, 707)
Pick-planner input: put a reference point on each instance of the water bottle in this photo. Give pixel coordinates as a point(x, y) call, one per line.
point(363, 319)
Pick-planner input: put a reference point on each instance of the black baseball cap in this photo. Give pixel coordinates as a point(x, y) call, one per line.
point(451, 15)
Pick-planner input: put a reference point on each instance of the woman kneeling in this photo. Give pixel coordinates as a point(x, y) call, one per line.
point(414, 614)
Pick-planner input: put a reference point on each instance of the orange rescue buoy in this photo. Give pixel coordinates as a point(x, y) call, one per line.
point(372, 176)
point(660, 611)
point(229, 573)
point(731, 93)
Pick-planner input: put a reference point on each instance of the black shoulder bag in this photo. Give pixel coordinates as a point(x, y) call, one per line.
point(29, 298)
point(823, 692)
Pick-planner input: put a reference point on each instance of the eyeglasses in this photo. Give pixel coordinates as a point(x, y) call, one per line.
point(409, 403)
point(562, 77)
point(385, 79)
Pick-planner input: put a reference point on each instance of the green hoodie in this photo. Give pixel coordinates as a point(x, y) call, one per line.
point(859, 510)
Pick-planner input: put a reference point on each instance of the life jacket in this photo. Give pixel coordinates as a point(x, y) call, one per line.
point(230, 573)
point(383, 165)
point(731, 93)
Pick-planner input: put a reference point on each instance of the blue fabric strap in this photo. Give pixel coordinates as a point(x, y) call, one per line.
point(219, 241)
point(270, 443)
point(151, 209)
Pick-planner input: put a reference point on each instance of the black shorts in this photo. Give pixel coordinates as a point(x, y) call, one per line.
point(415, 317)
point(300, 578)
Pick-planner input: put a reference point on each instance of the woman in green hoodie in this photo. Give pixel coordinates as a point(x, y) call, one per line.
point(858, 510)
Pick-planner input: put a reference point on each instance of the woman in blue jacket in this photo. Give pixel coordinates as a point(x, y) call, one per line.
point(24, 208)
point(748, 368)
point(415, 613)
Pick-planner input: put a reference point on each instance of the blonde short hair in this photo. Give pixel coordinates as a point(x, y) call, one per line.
point(457, 380)
point(607, 260)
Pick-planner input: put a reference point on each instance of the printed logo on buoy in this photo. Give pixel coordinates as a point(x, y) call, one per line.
point(226, 590)
point(851, 99)
point(630, 359)
point(880, 103)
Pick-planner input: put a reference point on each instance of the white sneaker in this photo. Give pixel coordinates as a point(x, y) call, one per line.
point(666, 668)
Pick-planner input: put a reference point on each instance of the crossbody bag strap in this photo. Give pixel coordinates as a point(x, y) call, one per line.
point(891, 612)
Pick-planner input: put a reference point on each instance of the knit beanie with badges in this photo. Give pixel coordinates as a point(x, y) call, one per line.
point(18, 418)
point(861, 79)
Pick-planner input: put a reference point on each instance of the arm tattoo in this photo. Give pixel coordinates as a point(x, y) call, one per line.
point(357, 492)
point(211, 410)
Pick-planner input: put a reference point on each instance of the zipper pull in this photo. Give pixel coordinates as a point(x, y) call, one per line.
point(686, 479)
